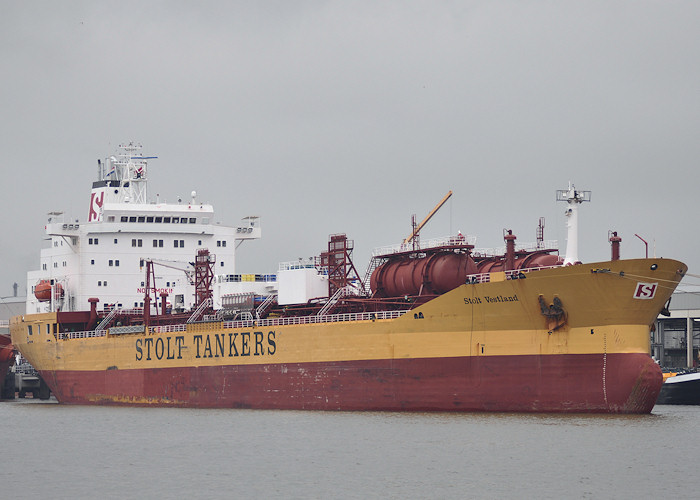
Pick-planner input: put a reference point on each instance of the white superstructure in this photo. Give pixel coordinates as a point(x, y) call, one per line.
point(103, 257)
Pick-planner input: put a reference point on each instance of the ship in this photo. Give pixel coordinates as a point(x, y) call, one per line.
point(432, 325)
point(7, 359)
point(680, 388)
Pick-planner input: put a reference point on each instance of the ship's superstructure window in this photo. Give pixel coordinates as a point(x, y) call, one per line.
point(142, 218)
point(166, 220)
point(99, 283)
point(221, 243)
point(55, 265)
point(179, 243)
point(124, 218)
point(29, 329)
point(132, 219)
point(115, 241)
point(116, 263)
point(136, 243)
point(193, 220)
point(111, 262)
point(175, 220)
point(157, 243)
point(159, 219)
point(43, 267)
point(110, 218)
point(149, 219)
point(92, 262)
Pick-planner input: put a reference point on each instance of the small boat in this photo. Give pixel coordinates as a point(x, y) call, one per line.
point(680, 389)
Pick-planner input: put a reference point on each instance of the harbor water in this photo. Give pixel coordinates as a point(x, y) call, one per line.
point(59, 451)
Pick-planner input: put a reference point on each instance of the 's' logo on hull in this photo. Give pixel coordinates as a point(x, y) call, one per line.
point(645, 290)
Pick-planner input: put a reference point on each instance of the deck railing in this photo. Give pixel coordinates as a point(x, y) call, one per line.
point(510, 275)
point(294, 320)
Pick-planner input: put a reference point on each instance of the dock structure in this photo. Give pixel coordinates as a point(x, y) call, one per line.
point(675, 343)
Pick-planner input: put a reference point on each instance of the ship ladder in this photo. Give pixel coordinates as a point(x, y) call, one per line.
point(339, 293)
point(266, 304)
point(107, 319)
point(198, 312)
point(373, 264)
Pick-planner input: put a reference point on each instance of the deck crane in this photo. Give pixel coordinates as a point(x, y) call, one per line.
point(201, 276)
point(416, 228)
point(186, 267)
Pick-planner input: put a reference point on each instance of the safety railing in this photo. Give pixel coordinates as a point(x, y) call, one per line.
point(250, 323)
point(81, 335)
point(510, 275)
point(425, 244)
point(519, 247)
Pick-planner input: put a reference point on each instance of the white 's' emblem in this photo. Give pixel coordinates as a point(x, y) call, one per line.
point(645, 290)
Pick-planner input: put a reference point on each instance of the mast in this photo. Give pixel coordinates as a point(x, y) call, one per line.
point(121, 179)
point(574, 198)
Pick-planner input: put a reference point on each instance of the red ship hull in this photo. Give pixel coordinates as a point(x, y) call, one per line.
point(615, 383)
point(7, 358)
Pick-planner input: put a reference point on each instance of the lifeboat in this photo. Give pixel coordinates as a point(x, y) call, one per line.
point(42, 291)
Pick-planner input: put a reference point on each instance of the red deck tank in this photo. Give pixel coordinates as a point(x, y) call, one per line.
point(529, 261)
point(434, 274)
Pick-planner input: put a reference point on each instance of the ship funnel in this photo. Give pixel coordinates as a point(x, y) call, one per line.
point(574, 198)
point(614, 245)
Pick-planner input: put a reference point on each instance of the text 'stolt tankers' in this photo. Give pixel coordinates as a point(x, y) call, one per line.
point(434, 274)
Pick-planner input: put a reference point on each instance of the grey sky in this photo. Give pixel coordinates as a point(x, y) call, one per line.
point(327, 117)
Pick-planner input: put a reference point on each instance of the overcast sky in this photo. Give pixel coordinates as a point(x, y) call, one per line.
point(330, 117)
